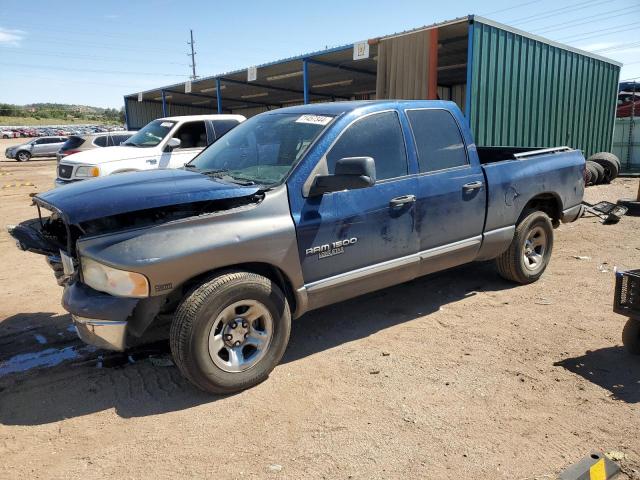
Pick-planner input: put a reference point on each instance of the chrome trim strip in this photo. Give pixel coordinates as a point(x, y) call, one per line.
point(362, 273)
point(451, 247)
point(389, 265)
point(499, 230)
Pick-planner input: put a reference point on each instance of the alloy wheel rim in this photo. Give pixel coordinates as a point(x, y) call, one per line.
point(240, 336)
point(535, 247)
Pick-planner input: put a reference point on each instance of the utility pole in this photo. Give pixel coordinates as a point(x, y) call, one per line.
point(193, 57)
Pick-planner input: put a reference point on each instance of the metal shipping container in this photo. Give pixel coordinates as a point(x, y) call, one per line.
point(527, 91)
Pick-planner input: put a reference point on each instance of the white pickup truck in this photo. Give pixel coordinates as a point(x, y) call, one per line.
point(169, 142)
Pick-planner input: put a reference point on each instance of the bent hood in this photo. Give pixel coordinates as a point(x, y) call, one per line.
point(129, 192)
point(96, 156)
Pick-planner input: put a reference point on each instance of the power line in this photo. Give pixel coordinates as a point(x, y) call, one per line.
point(554, 12)
point(618, 47)
point(84, 70)
point(127, 48)
point(64, 80)
point(22, 51)
point(581, 36)
point(509, 8)
point(582, 21)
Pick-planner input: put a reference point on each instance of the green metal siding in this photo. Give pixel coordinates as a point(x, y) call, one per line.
point(528, 93)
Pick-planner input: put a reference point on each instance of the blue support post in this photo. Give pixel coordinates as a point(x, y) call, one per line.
point(164, 104)
point(305, 80)
point(467, 100)
point(218, 95)
point(126, 113)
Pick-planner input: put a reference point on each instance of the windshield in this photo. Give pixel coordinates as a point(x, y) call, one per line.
point(262, 150)
point(151, 134)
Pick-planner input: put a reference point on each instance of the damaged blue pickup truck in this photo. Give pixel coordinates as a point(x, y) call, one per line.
point(292, 210)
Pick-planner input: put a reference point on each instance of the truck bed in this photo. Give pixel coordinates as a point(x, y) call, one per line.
point(514, 175)
point(501, 153)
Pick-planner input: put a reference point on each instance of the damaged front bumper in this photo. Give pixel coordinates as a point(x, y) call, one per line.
point(106, 334)
point(105, 321)
point(100, 319)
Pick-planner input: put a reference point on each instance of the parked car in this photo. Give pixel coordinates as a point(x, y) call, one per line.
point(292, 210)
point(83, 143)
point(7, 134)
point(38, 147)
point(164, 143)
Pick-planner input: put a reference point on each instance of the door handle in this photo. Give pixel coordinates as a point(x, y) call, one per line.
point(402, 200)
point(152, 161)
point(473, 185)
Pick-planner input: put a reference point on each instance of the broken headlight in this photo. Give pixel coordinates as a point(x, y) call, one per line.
point(119, 283)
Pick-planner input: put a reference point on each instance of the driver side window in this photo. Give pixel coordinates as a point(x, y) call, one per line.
point(192, 135)
point(378, 136)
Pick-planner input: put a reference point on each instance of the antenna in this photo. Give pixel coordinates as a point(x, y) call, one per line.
point(193, 57)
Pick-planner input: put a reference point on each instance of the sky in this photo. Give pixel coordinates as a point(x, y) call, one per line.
point(93, 53)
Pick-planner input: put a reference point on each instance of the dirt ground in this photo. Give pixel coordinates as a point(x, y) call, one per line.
point(456, 375)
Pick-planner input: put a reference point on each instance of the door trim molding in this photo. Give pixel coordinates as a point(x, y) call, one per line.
point(386, 266)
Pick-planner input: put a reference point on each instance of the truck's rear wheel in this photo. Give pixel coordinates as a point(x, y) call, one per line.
point(528, 255)
point(230, 332)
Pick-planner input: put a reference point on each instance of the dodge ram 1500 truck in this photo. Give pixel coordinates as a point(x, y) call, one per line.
point(292, 210)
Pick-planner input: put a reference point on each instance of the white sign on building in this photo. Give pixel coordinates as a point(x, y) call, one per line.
point(361, 50)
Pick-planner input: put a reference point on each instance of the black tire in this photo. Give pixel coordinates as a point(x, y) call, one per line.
point(633, 206)
point(23, 156)
point(600, 173)
point(200, 312)
point(593, 173)
point(631, 336)
point(590, 175)
point(512, 264)
point(609, 162)
point(5, 136)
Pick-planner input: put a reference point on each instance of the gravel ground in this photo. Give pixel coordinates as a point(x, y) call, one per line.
point(455, 375)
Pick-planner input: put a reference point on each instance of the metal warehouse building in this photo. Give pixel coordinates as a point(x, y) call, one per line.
point(515, 88)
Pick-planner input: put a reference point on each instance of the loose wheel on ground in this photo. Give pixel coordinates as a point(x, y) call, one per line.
point(528, 255)
point(590, 175)
point(230, 332)
point(610, 164)
point(631, 336)
point(23, 156)
point(599, 173)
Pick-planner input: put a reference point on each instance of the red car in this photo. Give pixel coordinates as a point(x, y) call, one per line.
point(628, 103)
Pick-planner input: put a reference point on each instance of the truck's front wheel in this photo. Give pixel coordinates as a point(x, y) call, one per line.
point(528, 255)
point(230, 332)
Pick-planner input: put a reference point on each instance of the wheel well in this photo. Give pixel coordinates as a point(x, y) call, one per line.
point(548, 203)
point(265, 269)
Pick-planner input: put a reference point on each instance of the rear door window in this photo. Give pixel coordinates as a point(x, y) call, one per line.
point(100, 141)
point(223, 126)
point(192, 135)
point(378, 136)
point(438, 140)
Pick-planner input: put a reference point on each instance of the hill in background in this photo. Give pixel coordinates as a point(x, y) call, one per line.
point(52, 113)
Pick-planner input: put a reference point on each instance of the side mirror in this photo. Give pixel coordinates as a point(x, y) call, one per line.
point(172, 143)
point(350, 173)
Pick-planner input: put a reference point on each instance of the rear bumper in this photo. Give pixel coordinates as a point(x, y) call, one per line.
point(572, 214)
